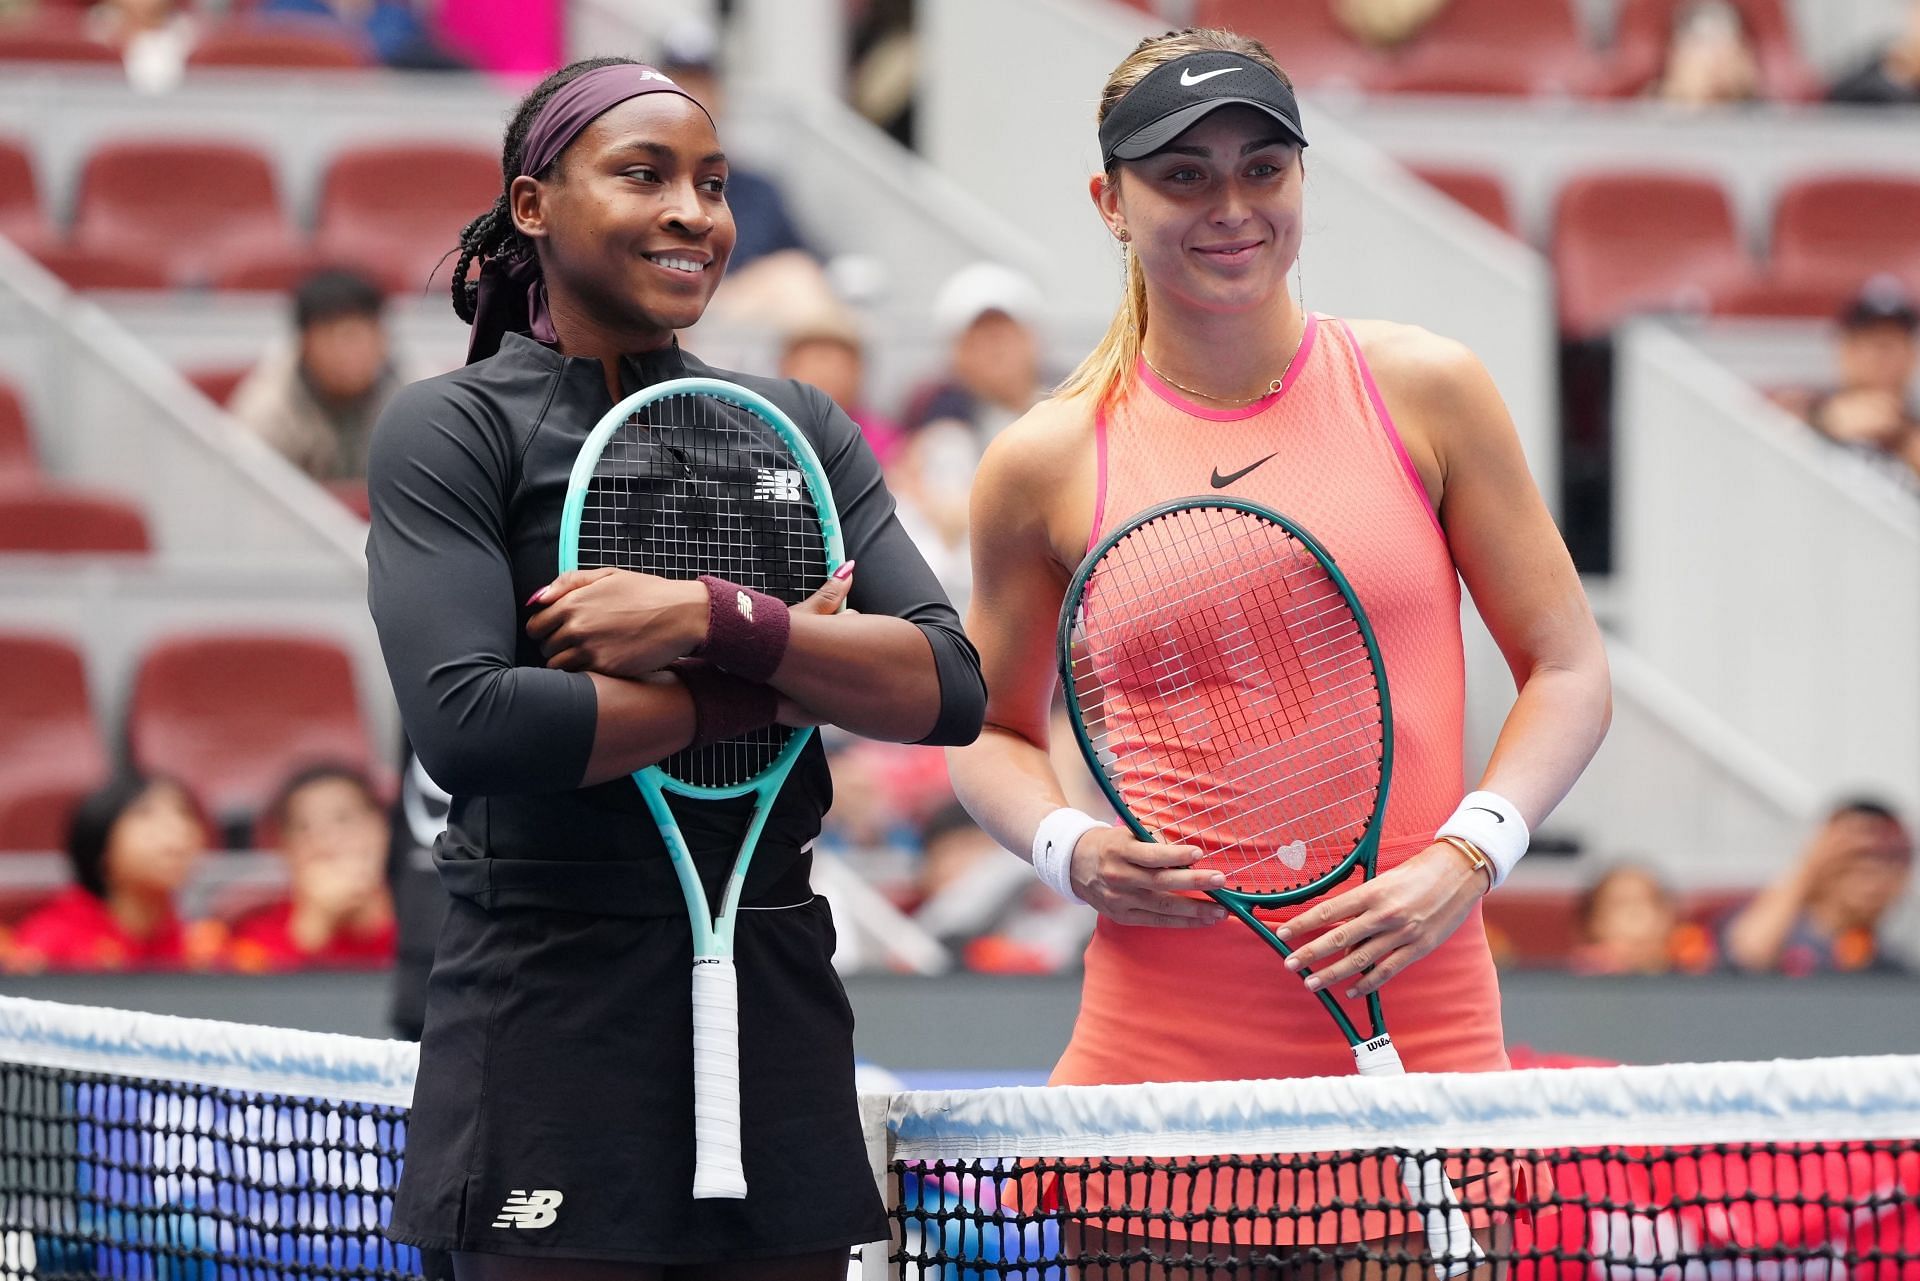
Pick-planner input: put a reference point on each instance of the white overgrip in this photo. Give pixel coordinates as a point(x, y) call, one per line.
point(716, 1080)
point(1449, 1238)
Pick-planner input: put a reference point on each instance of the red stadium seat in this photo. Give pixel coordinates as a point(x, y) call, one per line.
point(21, 218)
point(285, 43)
point(277, 269)
point(53, 37)
point(191, 206)
point(1771, 297)
point(217, 382)
point(1836, 230)
point(232, 715)
point(1478, 189)
point(1644, 30)
point(18, 464)
point(1638, 241)
point(1303, 36)
point(400, 209)
point(1497, 47)
point(50, 747)
point(89, 269)
point(43, 520)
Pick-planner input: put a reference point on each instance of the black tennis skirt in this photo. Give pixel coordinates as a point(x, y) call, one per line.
point(553, 1114)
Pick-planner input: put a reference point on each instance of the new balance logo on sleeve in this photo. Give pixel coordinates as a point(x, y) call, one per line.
point(536, 1209)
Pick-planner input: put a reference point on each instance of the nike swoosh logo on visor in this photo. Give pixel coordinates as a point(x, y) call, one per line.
point(1188, 79)
point(1219, 481)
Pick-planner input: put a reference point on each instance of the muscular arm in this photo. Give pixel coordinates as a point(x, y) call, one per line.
point(1006, 780)
point(440, 589)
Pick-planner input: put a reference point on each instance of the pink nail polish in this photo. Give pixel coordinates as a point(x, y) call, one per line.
point(844, 572)
point(535, 598)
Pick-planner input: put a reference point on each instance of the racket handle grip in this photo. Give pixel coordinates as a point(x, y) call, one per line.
point(1449, 1238)
point(716, 1081)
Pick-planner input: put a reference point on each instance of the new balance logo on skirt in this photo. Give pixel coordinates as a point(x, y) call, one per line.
point(777, 485)
point(535, 1209)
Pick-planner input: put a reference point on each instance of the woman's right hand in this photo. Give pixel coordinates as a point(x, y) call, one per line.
point(1142, 882)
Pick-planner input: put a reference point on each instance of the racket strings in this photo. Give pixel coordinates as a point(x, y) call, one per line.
point(693, 485)
point(1238, 711)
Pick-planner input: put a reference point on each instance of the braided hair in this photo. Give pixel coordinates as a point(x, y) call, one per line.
point(493, 233)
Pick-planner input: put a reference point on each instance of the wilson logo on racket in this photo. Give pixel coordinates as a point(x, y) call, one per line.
point(535, 1209)
point(777, 485)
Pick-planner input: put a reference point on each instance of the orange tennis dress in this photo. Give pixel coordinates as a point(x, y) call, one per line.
point(1216, 1004)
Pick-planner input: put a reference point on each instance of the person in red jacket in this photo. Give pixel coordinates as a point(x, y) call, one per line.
point(331, 828)
point(133, 845)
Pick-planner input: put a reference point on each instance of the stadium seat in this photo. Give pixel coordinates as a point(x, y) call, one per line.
point(1768, 296)
point(191, 206)
point(53, 37)
point(275, 269)
point(1479, 190)
point(1304, 37)
point(234, 714)
point(42, 520)
point(1836, 230)
point(21, 218)
point(90, 269)
point(1644, 29)
point(18, 463)
point(50, 747)
point(1510, 47)
point(283, 43)
point(1632, 241)
point(399, 209)
point(217, 382)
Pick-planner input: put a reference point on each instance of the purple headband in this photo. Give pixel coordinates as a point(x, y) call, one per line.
point(512, 294)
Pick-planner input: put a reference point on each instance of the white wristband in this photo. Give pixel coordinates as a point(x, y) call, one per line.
point(1053, 846)
point(1490, 821)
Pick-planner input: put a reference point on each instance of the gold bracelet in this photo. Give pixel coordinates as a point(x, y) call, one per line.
point(1475, 856)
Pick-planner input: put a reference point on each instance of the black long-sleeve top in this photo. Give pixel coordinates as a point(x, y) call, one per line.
point(466, 481)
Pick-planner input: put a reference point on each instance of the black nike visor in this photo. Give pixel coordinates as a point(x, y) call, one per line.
point(1177, 95)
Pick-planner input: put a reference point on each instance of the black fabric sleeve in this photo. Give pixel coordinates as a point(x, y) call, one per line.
point(440, 588)
point(892, 577)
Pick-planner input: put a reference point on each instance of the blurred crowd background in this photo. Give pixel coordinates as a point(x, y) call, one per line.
point(235, 218)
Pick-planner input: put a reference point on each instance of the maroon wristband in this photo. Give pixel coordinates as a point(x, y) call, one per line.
point(746, 630)
point(724, 706)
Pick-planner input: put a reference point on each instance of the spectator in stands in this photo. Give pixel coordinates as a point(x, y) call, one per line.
point(884, 68)
point(869, 826)
point(986, 313)
point(397, 32)
point(1872, 407)
point(133, 845)
point(773, 275)
point(975, 898)
point(825, 349)
point(1891, 76)
point(1710, 58)
point(154, 38)
point(1385, 23)
point(1629, 922)
point(331, 829)
point(1824, 915)
point(315, 399)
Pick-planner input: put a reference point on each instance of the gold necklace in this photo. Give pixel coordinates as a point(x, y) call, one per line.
point(1273, 388)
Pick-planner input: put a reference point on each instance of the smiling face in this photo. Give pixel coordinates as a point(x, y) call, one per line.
point(1214, 217)
point(632, 221)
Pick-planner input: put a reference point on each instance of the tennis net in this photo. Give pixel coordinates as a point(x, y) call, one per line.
point(146, 1146)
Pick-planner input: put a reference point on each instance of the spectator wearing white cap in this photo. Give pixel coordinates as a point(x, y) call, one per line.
point(986, 313)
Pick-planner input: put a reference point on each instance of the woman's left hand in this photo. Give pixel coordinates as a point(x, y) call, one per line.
point(617, 622)
point(1376, 930)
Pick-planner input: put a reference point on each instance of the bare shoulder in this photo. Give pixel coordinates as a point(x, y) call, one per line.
point(1416, 362)
point(1041, 446)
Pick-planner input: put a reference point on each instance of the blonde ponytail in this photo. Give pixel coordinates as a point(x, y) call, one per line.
point(1105, 371)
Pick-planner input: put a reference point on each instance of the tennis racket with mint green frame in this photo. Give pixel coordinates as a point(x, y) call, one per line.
point(1227, 692)
point(689, 477)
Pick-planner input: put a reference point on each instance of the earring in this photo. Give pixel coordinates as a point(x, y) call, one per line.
point(1124, 235)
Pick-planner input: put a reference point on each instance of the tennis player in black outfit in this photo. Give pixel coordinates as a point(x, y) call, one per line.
point(552, 1128)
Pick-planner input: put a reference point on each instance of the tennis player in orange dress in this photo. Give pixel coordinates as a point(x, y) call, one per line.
point(1393, 448)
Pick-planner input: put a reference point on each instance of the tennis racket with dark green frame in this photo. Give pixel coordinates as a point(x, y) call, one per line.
point(698, 476)
point(1228, 694)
